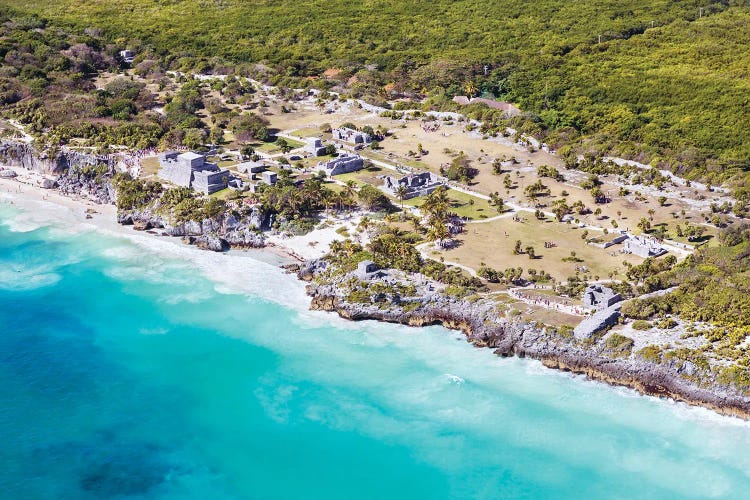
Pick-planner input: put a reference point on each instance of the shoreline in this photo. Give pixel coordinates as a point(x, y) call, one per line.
point(25, 187)
point(660, 383)
point(523, 340)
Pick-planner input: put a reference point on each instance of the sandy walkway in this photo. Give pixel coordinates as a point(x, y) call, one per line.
point(316, 243)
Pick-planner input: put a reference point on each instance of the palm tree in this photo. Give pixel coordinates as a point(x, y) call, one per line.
point(350, 188)
point(349, 247)
point(364, 224)
point(437, 203)
point(497, 202)
point(644, 225)
point(343, 200)
point(438, 232)
point(329, 199)
point(416, 224)
point(401, 193)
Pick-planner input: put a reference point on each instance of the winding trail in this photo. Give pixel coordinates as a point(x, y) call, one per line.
point(422, 248)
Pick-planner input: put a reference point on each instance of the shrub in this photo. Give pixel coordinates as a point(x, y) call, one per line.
point(640, 324)
point(565, 331)
point(651, 353)
point(735, 375)
point(372, 198)
point(666, 323)
point(358, 296)
point(621, 344)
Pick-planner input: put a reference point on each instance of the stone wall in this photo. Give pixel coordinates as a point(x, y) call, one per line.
point(210, 182)
point(597, 322)
point(342, 165)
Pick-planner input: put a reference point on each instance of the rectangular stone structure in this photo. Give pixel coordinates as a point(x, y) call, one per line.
point(416, 184)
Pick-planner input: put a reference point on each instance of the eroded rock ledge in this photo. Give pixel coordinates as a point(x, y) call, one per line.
point(484, 327)
point(217, 234)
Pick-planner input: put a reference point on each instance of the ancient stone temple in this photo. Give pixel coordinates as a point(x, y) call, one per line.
point(193, 171)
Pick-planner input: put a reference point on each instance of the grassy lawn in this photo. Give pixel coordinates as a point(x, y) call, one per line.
point(487, 243)
point(709, 237)
point(551, 317)
point(149, 166)
point(307, 132)
point(293, 143)
point(364, 176)
point(462, 204)
point(224, 194)
point(415, 164)
point(273, 148)
point(310, 163)
point(336, 188)
point(266, 147)
point(373, 155)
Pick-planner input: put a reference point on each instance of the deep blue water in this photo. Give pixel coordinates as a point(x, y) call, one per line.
point(126, 372)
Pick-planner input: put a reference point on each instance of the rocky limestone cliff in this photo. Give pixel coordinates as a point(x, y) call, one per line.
point(216, 234)
point(90, 176)
point(23, 154)
point(484, 326)
point(76, 174)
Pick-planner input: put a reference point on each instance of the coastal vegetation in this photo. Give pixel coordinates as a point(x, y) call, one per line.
point(711, 289)
point(661, 82)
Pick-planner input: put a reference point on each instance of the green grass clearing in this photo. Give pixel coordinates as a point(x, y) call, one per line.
point(464, 205)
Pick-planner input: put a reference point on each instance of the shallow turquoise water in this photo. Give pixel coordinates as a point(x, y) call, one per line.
point(125, 372)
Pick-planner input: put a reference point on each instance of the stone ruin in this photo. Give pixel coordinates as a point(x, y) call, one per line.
point(600, 297)
point(351, 135)
point(193, 171)
point(343, 164)
point(315, 147)
point(607, 304)
point(366, 269)
point(416, 184)
point(643, 246)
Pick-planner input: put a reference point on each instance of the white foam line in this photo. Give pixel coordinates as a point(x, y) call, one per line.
point(242, 273)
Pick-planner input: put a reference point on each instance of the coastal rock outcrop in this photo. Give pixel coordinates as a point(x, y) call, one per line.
point(25, 155)
point(208, 242)
point(485, 326)
point(216, 234)
point(93, 183)
point(78, 174)
point(91, 177)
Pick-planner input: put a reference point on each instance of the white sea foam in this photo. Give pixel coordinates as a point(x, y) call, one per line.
point(26, 278)
point(274, 397)
point(147, 257)
point(34, 272)
point(194, 297)
point(454, 379)
point(235, 272)
point(36, 214)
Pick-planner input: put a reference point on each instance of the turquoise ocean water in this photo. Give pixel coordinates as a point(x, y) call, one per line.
point(126, 372)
